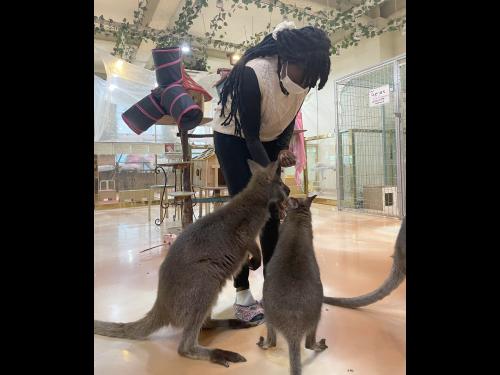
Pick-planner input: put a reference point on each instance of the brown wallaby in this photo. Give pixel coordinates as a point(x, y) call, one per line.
point(199, 262)
point(293, 293)
point(396, 277)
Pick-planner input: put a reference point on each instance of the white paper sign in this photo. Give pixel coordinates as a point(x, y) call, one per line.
point(379, 96)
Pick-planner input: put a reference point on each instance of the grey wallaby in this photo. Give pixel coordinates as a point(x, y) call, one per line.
point(293, 293)
point(200, 261)
point(395, 278)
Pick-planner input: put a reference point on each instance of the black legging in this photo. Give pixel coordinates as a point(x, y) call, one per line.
point(232, 153)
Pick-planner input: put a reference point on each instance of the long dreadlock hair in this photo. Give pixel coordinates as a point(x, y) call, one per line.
point(307, 47)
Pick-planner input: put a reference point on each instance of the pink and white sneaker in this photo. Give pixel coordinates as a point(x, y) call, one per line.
point(252, 314)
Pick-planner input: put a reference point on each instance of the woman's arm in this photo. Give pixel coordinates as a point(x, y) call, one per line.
point(285, 156)
point(250, 116)
point(283, 140)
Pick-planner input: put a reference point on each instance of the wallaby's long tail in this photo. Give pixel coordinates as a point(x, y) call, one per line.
point(396, 277)
point(294, 354)
point(137, 330)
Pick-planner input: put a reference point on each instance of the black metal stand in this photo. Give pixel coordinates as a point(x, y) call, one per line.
point(163, 205)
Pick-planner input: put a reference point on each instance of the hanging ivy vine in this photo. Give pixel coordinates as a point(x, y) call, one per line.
point(367, 31)
point(139, 13)
point(331, 21)
point(125, 45)
point(179, 33)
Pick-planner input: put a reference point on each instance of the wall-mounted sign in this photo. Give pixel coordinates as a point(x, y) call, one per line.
point(379, 96)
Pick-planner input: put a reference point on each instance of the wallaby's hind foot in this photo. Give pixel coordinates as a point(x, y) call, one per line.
point(271, 338)
point(228, 323)
point(263, 344)
point(189, 348)
point(312, 344)
point(317, 346)
point(223, 357)
point(266, 344)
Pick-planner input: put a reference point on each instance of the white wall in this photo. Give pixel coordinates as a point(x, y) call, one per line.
point(215, 63)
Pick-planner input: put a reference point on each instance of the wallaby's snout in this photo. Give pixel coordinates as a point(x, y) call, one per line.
point(280, 190)
point(286, 189)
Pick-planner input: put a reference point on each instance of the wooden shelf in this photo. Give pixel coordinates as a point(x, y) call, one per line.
point(176, 164)
point(181, 194)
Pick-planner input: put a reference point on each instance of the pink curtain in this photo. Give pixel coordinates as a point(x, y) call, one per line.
point(298, 148)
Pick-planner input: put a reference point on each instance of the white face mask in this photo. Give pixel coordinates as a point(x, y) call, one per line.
point(291, 86)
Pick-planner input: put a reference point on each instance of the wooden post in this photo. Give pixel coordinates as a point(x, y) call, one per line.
point(187, 207)
point(306, 176)
point(96, 179)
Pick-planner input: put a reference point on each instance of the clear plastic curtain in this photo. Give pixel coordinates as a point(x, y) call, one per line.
point(318, 110)
point(125, 85)
point(128, 83)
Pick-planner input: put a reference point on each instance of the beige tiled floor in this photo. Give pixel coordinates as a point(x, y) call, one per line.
point(353, 253)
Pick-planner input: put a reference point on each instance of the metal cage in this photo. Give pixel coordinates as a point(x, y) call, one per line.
point(371, 139)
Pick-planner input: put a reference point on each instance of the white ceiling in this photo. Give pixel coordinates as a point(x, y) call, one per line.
point(163, 13)
point(116, 9)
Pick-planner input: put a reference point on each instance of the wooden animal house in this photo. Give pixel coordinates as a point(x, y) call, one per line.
point(206, 170)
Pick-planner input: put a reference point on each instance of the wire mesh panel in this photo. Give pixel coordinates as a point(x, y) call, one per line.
point(402, 109)
point(368, 150)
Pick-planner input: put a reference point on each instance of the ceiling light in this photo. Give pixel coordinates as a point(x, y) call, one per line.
point(233, 58)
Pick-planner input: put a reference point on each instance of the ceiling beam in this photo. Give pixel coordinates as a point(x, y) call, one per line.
point(144, 47)
point(144, 57)
point(175, 16)
point(150, 11)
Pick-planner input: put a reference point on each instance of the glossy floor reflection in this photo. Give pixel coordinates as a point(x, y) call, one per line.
point(353, 252)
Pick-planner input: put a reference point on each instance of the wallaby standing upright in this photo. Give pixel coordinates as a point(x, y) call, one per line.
point(293, 293)
point(200, 261)
point(396, 277)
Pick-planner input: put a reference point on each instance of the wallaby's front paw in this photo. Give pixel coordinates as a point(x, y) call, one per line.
point(319, 346)
point(254, 264)
point(223, 357)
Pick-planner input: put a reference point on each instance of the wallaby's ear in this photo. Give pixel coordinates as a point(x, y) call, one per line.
point(273, 167)
point(254, 167)
point(292, 203)
point(309, 200)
